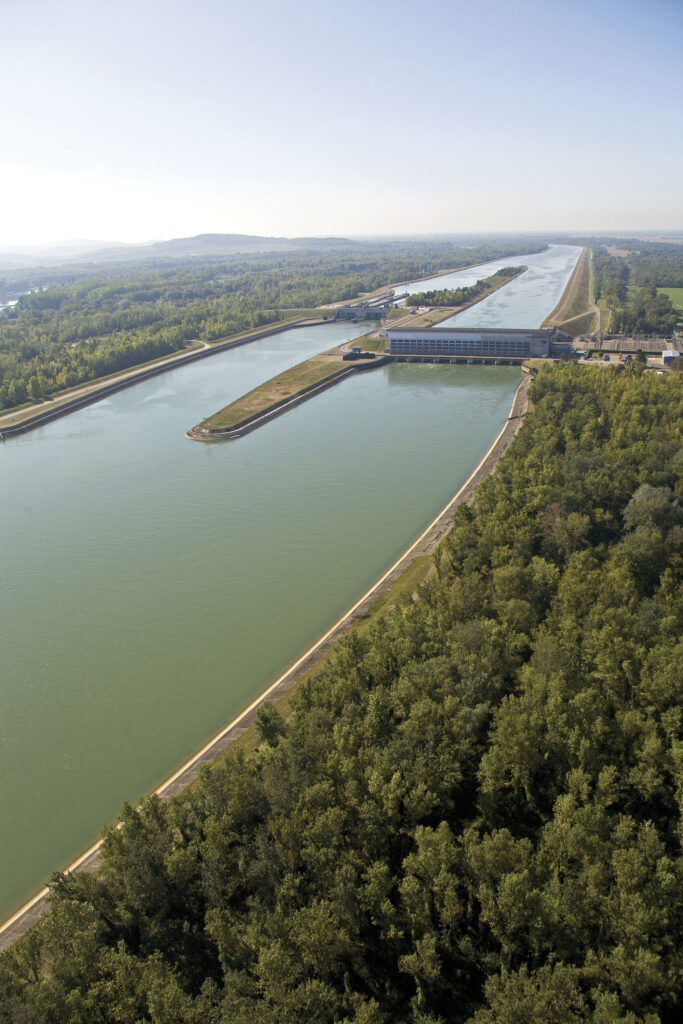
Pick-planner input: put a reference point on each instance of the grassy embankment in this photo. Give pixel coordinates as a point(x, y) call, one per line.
point(285, 385)
point(576, 312)
point(372, 343)
point(434, 316)
point(605, 315)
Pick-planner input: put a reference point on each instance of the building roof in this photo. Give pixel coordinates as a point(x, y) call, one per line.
point(455, 331)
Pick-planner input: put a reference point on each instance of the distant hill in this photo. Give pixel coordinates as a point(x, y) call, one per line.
point(217, 245)
point(54, 253)
point(200, 246)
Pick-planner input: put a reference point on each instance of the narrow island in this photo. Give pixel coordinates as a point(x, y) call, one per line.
point(283, 392)
point(308, 378)
point(457, 299)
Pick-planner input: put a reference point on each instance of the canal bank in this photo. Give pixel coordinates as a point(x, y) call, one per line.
point(425, 544)
point(58, 407)
point(161, 574)
point(418, 339)
point(268, 411)
point(152, 579)
point(237, 419)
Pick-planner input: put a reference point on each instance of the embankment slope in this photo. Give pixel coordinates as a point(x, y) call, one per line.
point(576, 312)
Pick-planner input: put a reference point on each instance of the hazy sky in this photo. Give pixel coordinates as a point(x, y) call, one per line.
point(146, 119)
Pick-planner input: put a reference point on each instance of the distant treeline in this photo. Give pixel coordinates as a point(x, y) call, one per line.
point(657, 264)
point(473, 814)
point(459, 296)
point(101, 323)
point(651, 263)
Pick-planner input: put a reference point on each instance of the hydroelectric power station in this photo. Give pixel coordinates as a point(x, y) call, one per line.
point(477, 342)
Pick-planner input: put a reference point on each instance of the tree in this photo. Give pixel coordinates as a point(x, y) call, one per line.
point(269, 724)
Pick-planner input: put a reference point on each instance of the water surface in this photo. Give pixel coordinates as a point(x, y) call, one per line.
point(525, 302)
point(153, 585)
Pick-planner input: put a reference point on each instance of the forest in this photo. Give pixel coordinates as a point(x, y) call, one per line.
point(629, 286)
point(82, 323)
point(471, 815)
point(459, 296)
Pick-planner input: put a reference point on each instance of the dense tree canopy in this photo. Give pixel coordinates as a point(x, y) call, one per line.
point(473, 814)
point(647, 312)
point(629, 286)
point(657, 263)
point(646, 262)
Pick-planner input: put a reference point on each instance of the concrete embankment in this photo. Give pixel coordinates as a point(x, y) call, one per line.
point(283, 405)
point(28, 915)
point(56, 409)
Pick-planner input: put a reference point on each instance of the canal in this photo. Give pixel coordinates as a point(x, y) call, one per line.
point(525, 302)
point(154, 586)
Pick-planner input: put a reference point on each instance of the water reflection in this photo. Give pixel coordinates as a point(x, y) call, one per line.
point(525, 302)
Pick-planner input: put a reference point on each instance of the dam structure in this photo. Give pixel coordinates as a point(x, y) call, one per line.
point(475, 342)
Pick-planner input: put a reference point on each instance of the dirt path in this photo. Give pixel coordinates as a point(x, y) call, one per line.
point(29, 914)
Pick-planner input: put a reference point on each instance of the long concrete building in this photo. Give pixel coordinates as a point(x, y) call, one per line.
point(477, 342)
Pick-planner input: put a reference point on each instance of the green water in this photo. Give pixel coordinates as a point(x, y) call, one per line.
point(153, 586)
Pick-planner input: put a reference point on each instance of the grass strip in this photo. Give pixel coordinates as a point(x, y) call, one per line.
point(278, 389)
point(575, 313)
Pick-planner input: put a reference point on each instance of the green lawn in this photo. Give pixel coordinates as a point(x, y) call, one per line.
point(605, 315)
point(676, 296)
point(372, 344)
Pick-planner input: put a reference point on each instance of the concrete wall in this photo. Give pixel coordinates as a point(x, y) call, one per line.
point(470, 342)
point(362, 312)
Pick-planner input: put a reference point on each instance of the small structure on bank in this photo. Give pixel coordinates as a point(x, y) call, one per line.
point(357, 353)
point(364, 311)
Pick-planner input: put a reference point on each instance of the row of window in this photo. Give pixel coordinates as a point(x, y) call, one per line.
point(461, 347)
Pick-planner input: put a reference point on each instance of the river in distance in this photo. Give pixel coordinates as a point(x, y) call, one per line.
point(154, 586)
